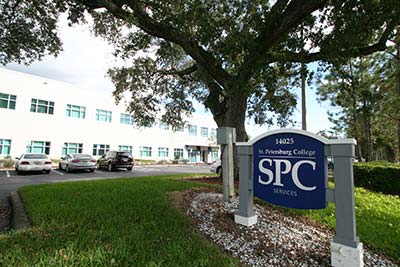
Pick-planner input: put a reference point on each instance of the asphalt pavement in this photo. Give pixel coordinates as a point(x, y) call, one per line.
point(10, 181)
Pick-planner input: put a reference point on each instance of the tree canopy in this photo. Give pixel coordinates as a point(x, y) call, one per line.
point(366, 94)
point(240, 58)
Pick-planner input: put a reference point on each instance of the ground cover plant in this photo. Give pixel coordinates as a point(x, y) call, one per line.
point(131, 222)
point(377, 219)
point(127, 222)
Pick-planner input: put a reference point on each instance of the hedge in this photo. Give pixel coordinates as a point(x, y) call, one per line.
point(378, 176)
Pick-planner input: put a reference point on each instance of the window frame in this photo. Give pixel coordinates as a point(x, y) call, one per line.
point(147, 150)
point(163, 152)
point(35, 144)
point(192, 127)
point(102, 113)
point(126, 118)
point(129, 148)
point(9, 99)
point(100, 147)
point(179, 152)
point(81, 111)
point(204, 132)
point(4, 145)
point(37, 106)
point(66, 148)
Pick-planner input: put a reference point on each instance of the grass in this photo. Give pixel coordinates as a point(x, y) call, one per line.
point(377, 219)
point(126, 222)
point(130, 222)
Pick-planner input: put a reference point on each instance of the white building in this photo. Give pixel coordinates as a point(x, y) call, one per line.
point(43, 115)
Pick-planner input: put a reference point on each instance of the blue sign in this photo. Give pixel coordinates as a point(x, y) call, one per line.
point(290, 170)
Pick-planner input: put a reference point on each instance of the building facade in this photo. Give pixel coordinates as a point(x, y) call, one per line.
point(47, 116)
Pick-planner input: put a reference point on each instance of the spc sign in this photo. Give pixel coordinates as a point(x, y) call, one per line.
point(290, 170)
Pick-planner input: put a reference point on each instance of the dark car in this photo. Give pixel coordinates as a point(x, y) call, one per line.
point(116, 159)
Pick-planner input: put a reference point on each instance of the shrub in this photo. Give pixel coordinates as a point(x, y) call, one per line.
point(7, 162)
point(378, 176)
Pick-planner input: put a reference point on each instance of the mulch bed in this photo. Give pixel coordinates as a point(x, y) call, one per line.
point(278, 239)
point(5, 215)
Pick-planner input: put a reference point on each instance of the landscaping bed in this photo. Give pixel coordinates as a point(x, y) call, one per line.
point(278, 238)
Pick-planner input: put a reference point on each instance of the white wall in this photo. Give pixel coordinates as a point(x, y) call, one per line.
point(22, 126)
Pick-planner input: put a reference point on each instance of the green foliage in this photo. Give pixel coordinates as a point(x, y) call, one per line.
point(28, 30)
point(126, 222)
point(239, 58)
point(362, 92)
point(378, 176)
point(7, 162)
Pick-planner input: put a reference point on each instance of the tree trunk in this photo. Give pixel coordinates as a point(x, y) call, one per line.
point(235, 117)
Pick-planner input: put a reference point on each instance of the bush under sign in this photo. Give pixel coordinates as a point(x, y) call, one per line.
point(290, 170)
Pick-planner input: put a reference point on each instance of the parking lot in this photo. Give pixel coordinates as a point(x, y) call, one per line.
point(11, 181)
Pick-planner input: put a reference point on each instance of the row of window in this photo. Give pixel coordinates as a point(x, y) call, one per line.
point(98, 149)
point(47, 107)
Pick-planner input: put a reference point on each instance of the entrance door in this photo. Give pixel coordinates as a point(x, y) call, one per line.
point(204, 156)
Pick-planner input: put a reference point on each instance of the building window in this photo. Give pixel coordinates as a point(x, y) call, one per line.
point(163, 152)
point(192, 156)
point(100, 149)
point(145, 151)
point(164, 126)
point(38, 147)
point(214, 154)
point(192, 130)
point(125, 148)
point(179, 129)
point(5, 146)
point(76, 111)
point(178, 153)
point(126, 119)
point(42, 106)
point(103, 115)
point(204, 131)
point(7, 101)
point(72, 148)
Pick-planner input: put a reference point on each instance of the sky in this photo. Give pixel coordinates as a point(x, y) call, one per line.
point(85, 60)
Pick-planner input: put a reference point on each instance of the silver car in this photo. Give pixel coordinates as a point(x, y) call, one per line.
point(33, 162)
point(216, 167)
point(71, 162)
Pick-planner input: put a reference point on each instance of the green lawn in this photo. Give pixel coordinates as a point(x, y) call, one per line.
point(126, 222)
point(130, 222)
point(377, 218)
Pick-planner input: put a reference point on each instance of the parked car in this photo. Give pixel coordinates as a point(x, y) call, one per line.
point(71, 162)
point(33, 162)
point(116, 159)
point(216, 167)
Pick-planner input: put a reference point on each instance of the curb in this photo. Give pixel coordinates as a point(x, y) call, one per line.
point(19, 220)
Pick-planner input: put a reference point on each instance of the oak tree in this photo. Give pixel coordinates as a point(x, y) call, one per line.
point(238, 57)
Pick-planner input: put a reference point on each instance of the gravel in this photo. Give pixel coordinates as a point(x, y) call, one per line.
point(276, 240)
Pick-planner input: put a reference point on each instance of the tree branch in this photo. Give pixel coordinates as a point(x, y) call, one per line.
point(167, 32)
point(380, 45)
point(180, 73)
point(277, 28)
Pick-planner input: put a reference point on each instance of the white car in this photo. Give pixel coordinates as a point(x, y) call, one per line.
point(33, 162)
point(216, 167)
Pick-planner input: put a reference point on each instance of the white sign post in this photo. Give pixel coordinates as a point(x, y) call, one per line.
point(226, 137)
